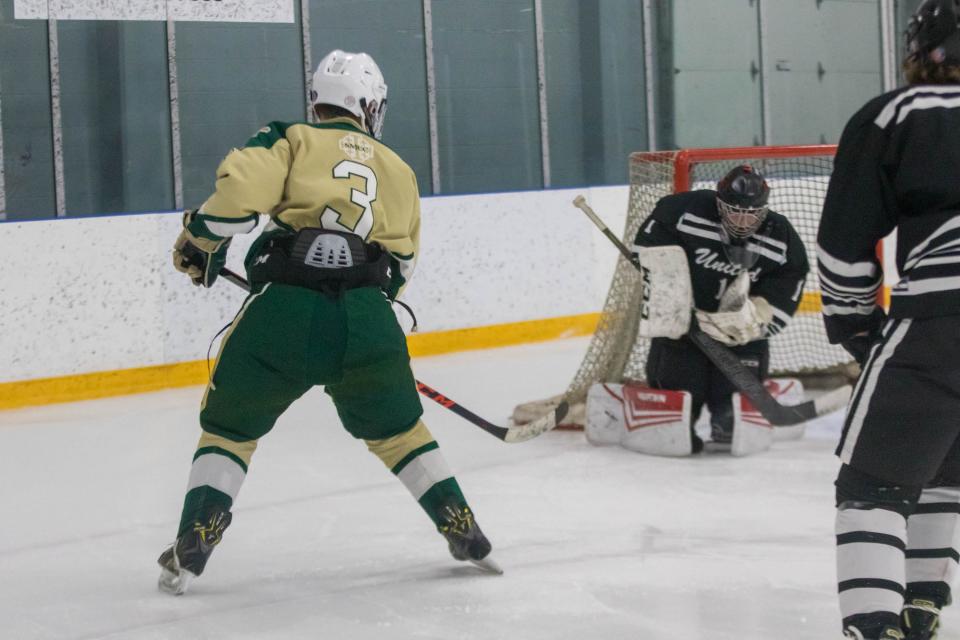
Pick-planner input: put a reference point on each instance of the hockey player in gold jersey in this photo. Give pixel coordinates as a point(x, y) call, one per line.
point(341, 242)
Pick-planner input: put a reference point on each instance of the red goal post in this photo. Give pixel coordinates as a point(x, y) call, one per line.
point(798, 176)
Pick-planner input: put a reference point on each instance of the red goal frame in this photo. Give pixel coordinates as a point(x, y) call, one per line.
point(684, 159)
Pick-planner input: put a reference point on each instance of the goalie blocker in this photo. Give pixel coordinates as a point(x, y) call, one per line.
point(657, 421)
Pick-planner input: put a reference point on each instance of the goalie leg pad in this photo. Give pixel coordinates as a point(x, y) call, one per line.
point(604, 423)
point(751, 431)
point(657, 421)
point(788, 391)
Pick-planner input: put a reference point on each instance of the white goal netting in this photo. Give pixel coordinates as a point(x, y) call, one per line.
point(798, 178)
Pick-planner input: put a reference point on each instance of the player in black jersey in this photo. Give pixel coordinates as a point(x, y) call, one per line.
point(726, 233)
point(898, 490)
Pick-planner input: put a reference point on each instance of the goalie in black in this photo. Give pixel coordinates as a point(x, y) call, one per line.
point(747, 270)
point(898, 490)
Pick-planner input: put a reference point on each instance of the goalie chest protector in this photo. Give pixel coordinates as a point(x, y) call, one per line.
point(690, 220)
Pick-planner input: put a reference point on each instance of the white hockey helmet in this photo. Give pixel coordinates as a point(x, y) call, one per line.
point(352, 81)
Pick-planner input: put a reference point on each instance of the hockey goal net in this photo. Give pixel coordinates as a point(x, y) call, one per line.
point(798, 178)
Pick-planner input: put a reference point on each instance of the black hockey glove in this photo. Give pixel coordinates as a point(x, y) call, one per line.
point(859, 345)
point(199, 253)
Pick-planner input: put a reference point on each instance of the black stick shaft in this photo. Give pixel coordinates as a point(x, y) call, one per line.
point(463, 412)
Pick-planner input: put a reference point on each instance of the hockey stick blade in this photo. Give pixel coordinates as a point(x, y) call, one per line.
point(516, 433)
point(524, 432)
point(742, 378)
point(836, 399)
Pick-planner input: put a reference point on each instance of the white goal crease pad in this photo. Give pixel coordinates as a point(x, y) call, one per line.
point(657, 421)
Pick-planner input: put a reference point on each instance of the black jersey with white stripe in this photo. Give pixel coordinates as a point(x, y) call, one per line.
point(690, 220)
point(897, 167)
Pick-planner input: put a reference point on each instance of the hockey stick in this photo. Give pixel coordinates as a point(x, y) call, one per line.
point(742, 378)
point(515, 433)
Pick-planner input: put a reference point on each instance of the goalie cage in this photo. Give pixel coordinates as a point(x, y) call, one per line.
point(798, 178)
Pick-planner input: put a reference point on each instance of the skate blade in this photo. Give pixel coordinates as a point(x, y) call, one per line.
point(489, 565)
point(717, 447)
point(173, 583)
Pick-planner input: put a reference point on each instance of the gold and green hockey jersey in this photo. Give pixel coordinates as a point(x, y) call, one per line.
point(330, 175)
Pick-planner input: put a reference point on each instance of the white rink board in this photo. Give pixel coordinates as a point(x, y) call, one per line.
point(99, 294)
point(178, 10)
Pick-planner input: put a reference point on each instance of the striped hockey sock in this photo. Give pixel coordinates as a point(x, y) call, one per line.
point(415, 458)
point(870, 565)
point(429, 480)
point(218, 471)
point(933, 540)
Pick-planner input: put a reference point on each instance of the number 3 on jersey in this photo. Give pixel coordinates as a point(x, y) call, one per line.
point(330, 219)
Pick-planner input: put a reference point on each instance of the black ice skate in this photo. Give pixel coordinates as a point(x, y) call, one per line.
point(888, 633)
point(465, 538)
point(720, 441)
point(721, 432)
point(920, 619)
point(720, 435)
point(185, 559)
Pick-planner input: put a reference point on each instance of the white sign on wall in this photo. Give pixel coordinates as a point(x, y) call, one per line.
point(183, 10)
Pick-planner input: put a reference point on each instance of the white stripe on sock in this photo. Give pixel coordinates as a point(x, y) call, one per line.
point(423, 472)
point(931, 570)
point(868, 560)
point(217, 471)
point(934, 531)
point(875, 520)
point(940, 494)
point(854, 601)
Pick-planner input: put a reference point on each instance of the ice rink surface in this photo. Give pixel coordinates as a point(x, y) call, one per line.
point(326, 543)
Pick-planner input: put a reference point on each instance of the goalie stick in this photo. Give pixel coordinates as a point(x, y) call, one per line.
point(742, 378)
point(515, 433)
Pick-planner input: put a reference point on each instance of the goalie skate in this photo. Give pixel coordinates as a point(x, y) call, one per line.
point(465, 539)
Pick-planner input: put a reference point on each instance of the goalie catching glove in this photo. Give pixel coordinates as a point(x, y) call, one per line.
point(746, 324)
point(198, 252)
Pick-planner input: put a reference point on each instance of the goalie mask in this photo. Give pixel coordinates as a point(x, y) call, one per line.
point(352, 81)
point(742, 202)
point(933, 32)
